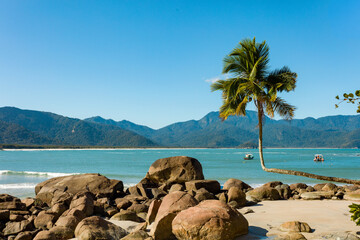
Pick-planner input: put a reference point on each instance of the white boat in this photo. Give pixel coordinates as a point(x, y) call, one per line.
point(248, 157)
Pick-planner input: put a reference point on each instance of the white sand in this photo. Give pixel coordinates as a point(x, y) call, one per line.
point(324, 217)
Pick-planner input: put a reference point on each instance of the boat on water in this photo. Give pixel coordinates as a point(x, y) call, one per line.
point(248, 157)
point(318, 158)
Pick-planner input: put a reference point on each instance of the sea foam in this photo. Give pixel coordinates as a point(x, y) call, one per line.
point(31, 173)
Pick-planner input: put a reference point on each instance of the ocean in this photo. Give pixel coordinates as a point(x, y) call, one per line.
point(21, 170)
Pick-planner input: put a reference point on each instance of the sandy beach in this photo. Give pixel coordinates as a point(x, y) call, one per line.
point(325, 217)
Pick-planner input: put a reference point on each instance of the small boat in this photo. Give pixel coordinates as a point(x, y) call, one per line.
point(248, 157)
point(318, 158)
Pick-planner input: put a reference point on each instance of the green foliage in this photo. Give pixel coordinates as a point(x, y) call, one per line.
point(355, 210)
point(250, 80)
point(353, 98)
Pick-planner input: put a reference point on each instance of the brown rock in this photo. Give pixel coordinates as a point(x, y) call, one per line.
point(212, 186)
point(57, 209)
point(175, 202)
point(111, 212)
point(232, 182)
point(211, 219)
point(29, 202)
point(122, 203)
point(97, 228)
point(273, 184)
point(178, 169)
point(136, 235)
point(17, 227)
point(27, 235)
point(352, 196)
point(153, 210)
point(284, 191)
point(16, 218)
point(127, 215)
point(329, 187)
point(162, 227)
point(97, 184)
point(295, 226)
point(237, 195)
point(291, 236)
point(316, 195)
point(4, 215)
point(62, 233)
point(42, 220)
point(264, 193)
point(83, 202)
point(45, 235)
point(137, 207)
point(295, 186)
point(176, 187)
point(203, 194)
point(8, 202)
point(319, 186)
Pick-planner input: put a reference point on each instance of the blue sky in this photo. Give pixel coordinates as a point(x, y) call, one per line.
point(150, 62)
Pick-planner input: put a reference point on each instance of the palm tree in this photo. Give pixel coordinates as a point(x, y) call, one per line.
point(251, 81)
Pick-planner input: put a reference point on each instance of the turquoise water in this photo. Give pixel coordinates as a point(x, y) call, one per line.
point(20, 171)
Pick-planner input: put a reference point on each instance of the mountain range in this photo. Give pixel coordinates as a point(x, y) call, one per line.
point(29, 127)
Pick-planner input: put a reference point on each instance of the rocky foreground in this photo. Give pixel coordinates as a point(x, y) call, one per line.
point(173, 201)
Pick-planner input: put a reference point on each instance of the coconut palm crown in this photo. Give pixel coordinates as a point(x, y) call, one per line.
point(251, 80)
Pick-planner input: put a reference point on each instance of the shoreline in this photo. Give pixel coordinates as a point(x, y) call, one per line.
point(152, 148)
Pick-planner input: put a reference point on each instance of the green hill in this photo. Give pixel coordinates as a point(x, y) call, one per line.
point(55, 129)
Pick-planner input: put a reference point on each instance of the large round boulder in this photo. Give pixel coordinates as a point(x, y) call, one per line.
point(264, 193)
point(95, 227)
point(178, 169)
point(94, 183)
point(233, 182)
point(210, 219)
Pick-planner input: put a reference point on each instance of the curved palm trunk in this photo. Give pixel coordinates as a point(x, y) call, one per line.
point(292, 172)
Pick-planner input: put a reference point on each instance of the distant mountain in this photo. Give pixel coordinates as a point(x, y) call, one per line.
point(124, 124)
point(35, 127)
point(211, 131)
point(43, 128)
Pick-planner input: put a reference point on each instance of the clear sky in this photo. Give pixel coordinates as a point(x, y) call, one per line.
point(151, 62)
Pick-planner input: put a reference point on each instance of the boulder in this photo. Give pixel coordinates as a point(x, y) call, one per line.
point(319, 186)
point(122, 203)
point(153, 210)
point(284, 191)
point(264, 193)
point(62, 233)
point(211, 219)
point(95, 227)
point(83, 202)
point(203, 194)
point(137, 235)
point(127, 215)
point(17, 227)
point(329, 187)
point(352, 196)
point(170, 206)
point(162, 227)
point(295, 226)
point(27, 235)
point(4, 215)
point(316, 195)
point(175, 202)
point(42, 220)
point(8, 202)
point(96, 184)
point(212, 186)
point(176, 187)
point(45, 235)
point(232, 182)
point(291, 236)
point(295, 186)
point(29, 202)
point(70, 218)
point(138, 207)
point(273, 184)
point(178, 169)
point(238, 196)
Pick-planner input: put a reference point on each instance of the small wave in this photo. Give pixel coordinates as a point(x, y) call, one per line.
point(127, 185)
point(17, 185)
point(30, 173)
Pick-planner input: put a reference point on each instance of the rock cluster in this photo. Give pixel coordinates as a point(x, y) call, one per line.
point(173, 201)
